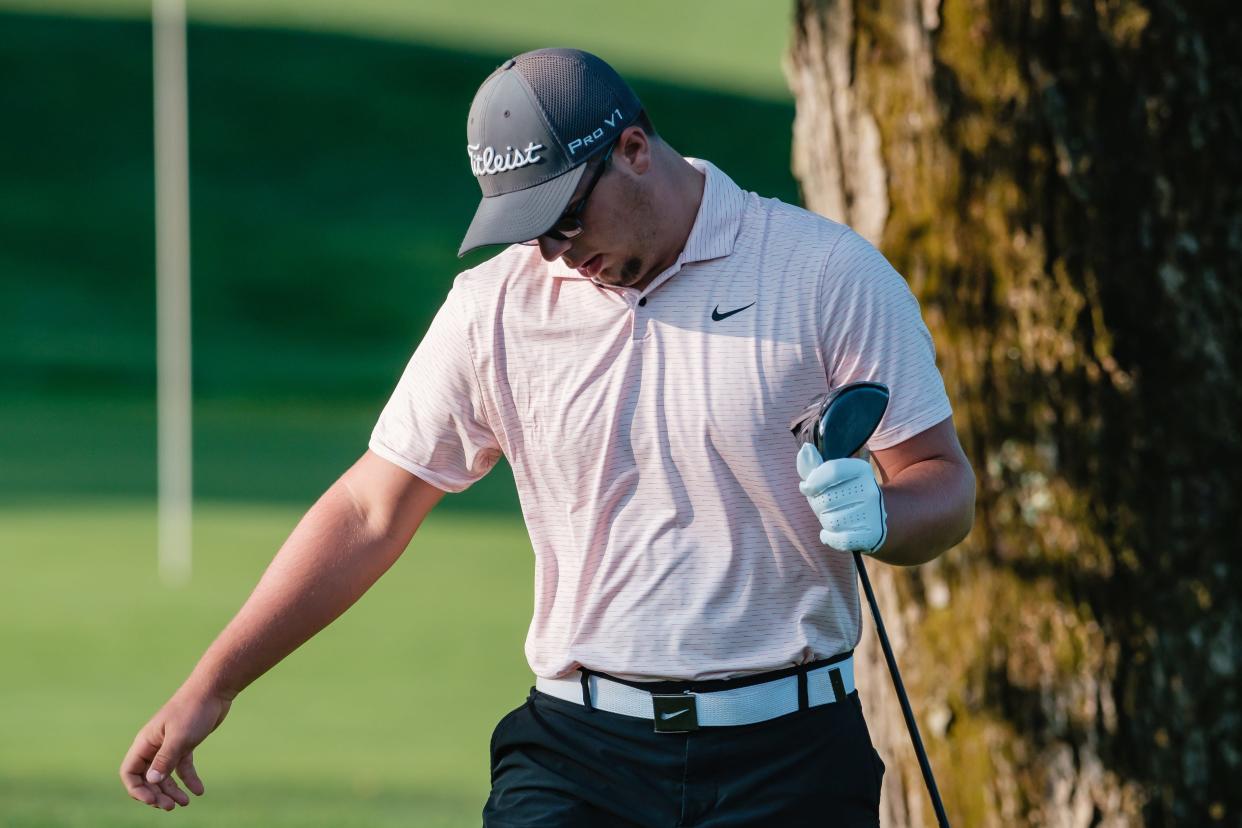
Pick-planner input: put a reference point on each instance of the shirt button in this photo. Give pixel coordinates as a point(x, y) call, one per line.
point(643, 301)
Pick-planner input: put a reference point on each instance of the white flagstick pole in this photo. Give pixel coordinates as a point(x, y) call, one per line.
point(172, 242)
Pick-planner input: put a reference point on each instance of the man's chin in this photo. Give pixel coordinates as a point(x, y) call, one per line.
point(614, 279)
point(630, 274)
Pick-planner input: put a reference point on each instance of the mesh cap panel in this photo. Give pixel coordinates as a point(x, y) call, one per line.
point(576, 90)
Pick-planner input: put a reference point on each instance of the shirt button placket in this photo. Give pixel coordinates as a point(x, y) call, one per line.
point(638, 317)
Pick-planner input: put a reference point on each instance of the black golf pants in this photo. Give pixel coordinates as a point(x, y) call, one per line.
point(556, 764)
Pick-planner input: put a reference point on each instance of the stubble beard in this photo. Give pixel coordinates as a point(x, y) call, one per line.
point(632, 270)
point(635, 267)
point(630, 273)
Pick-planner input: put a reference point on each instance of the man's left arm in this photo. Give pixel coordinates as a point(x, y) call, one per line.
point(929, 494)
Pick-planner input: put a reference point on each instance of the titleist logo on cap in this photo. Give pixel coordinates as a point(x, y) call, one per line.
point(490, 162)
point(532, 124)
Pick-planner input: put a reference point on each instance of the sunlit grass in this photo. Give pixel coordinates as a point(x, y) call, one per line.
point(733, 45)
point(384, 718)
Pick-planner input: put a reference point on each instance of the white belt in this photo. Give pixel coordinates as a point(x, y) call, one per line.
point(736, 706)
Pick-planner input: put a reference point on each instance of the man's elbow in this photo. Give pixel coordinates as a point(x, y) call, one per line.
point(966, 506)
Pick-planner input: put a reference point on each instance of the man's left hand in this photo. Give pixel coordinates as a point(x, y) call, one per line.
point(846, 498)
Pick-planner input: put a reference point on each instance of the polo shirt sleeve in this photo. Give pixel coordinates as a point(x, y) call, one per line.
point(435, 424)
point(871, 329)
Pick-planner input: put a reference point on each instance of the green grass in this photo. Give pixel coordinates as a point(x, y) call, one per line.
point(67, 446)
point(384, 718)
point(329, 193)
point(734, 45)
point(329, 196)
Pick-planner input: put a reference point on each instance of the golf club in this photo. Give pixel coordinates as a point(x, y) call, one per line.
point(839, 424)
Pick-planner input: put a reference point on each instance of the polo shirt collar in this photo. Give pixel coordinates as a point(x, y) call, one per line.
point(719, 217)
point(715, 228)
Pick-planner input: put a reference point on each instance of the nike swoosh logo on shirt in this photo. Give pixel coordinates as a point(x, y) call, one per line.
point(666, 716)
point(717, 315)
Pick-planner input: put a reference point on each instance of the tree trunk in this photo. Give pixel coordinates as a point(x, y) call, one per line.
point(1060, 183)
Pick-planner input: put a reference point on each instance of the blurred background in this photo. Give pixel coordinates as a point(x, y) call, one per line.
point(1057, 181)
point(329, 191)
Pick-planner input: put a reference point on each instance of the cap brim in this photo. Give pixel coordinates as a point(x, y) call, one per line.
point(521, 215)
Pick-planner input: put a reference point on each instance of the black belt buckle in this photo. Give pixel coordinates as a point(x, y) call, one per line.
point(675, 713)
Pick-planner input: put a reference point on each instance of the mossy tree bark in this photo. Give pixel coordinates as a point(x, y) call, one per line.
point(1061, 183)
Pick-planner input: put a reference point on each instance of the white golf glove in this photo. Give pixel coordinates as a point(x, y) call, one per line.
point(846, 498)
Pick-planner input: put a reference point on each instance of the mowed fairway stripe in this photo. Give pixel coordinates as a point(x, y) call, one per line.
point(383, 718)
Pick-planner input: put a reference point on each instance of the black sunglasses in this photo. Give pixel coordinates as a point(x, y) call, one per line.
point(569, 224)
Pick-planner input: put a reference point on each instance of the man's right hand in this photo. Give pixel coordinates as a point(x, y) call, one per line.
point(348, 539)
point(166, 743)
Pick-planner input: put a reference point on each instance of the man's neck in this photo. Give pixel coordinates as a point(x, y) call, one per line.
point(685, 196)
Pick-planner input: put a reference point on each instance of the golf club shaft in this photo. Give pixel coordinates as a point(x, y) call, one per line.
point(901, 695)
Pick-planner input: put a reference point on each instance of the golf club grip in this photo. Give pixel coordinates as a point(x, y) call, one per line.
point(911, 725)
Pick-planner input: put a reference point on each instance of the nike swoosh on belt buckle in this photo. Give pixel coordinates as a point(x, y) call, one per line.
point(674, 713)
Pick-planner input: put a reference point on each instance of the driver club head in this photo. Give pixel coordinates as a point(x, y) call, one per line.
point(841, 422)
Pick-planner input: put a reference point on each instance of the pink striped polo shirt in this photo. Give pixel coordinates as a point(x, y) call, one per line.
point(648, 434)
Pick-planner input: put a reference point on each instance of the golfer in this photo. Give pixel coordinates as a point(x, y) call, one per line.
point(636, 350)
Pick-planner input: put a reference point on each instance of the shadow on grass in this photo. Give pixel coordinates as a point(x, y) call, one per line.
point(329, 192)
point(62, 447)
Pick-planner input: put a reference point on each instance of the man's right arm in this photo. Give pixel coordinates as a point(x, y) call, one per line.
point(344, 543)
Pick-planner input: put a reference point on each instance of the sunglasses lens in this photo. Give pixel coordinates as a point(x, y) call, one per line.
point(564, 230)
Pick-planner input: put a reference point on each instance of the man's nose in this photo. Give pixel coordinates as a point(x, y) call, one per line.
point(553, 248)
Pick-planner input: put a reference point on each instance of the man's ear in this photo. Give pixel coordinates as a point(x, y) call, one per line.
point(634, 148)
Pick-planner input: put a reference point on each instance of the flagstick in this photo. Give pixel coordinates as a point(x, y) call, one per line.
point(172, 242)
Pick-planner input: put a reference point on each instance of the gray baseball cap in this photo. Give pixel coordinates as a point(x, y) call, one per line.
point(534, 124)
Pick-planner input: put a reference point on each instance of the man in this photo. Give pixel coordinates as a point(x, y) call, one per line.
point(637, 361)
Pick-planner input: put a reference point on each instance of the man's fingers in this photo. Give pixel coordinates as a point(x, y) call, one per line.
point(169, 756)
point(165, 746)
point(162, 800)
point(808, 460)
point(151, 782)
point(134, 769)
point(833, 473)
point(141, 792)
point(170, 787)
point(185, 769)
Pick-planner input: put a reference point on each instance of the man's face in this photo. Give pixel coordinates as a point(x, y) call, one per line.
point(616, 245)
